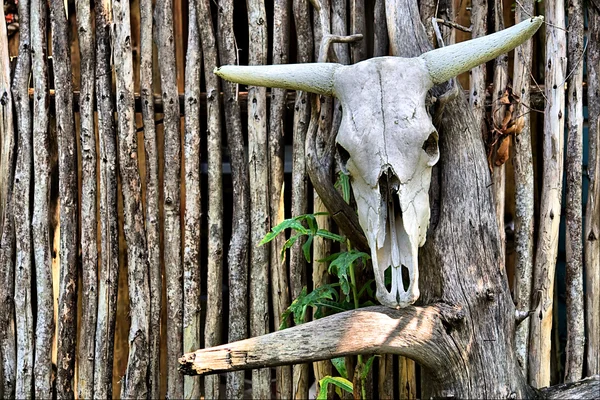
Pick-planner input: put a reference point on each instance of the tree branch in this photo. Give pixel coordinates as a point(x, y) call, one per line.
point(416, 332)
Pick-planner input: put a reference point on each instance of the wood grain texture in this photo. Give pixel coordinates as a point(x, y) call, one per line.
point(67, 176)
point(573, 217)
point(477, 78)
point(550, 209)
point(134, 382)
point(524, 188)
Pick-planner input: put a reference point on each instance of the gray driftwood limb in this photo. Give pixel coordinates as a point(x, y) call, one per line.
point(587, 388)
point(240, 239)
point(67, 176)
point(592, 216)
point(24, 322)
point(39, 222)
point(152, 196)
point(192, 212)
point(524, 196)
point(547, 242)
point(573, 217)
point(89, 232)
point(109, 251)
point(214, 302)
point(134, 382)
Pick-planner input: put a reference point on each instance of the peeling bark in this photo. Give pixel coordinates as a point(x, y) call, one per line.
point(573, 167)
point(134, 383)
point(592, 215)
point(547, 244)
point(279, 277)
point(109, 252)
point(240, 238)
point(67, 176)
point(152, 196)
point(89, 238)
point(191, 252)
point(163, 15)
point(22, 217)
point(524, 188)
point(44, 327)
point(212, 330)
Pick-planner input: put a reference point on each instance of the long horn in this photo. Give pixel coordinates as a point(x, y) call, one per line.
point(315, 78)
point(447, 62)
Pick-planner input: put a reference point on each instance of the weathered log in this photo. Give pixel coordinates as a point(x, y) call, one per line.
point(7, 234)
point(573, 217)
point(524, 196)
point(240, 239)
point(280, 292)
point(44, 331)
point(147, 104)
point(547, 243)
point(134, 382)
point(584, 389)
point(109, 251)
point(68, 194)
point(212, 331)
point(192, 212)
point(89, 232)
point(592, 215)
point(24, 323)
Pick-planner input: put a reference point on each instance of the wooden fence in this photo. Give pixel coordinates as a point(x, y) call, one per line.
point(135, 187)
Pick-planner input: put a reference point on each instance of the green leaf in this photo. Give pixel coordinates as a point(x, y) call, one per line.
point(313, 299)
point(343, 183)
point(340, 382)
point(291, 223)
point(368, 366)
point(289, 243)
point(340, 365)
point(332, 236)
point(341, 265)
point(306, 247)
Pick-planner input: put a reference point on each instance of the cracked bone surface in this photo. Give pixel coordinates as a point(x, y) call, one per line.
point(389, 142)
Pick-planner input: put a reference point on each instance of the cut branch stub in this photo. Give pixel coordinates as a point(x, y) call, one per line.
point(388, 140)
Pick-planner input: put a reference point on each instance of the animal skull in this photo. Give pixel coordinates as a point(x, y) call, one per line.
point(389, 140)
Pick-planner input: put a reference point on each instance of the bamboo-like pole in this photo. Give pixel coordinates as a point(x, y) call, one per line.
point(44, 330)
point(89, 239)
point(214, 301)
point(22, 217)
point(573, 168)
point(407, 380)
point(524, 195)
point(7, 234)
point(109, 253)
point(280, 292)
point(477, 84)
point(547, 244)
point(259, 191)
point(163, 15)
point(591, 231)
point(152, 195)
point(498, 111)
point(67, 176)
point(240, 238)
point(299, 187)
point(134, 382)
point(358, 25)
point(192, 212)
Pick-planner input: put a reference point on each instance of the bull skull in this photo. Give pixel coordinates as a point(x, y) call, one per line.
point(389, 139)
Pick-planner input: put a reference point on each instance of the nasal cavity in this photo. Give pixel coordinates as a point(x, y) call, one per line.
point(387, 278)
point(405, 277)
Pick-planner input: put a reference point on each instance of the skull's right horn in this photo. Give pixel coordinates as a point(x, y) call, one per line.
point(447, 62)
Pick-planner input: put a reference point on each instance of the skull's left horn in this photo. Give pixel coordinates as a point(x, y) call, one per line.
point(315, 78)
point(447, 62)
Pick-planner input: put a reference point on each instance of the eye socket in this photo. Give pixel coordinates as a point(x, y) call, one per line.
point(342, 157)
point(430, 146)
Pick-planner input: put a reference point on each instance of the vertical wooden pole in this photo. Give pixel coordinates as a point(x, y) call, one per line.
point(524, 188)
point(89, 239)
point(299, 188)
point(381, 41)
point(67, 176)
point(214, 280)
point(592, 215)
point(358, 25)
point(192, 213)
point(240, 238)
point(7, 233)
point(134, 382)
point(547, 244)
point(477, 85)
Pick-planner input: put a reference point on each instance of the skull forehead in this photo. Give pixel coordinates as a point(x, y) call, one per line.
point(385, 121)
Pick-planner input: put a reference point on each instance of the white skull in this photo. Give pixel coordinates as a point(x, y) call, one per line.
point(390, 141)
